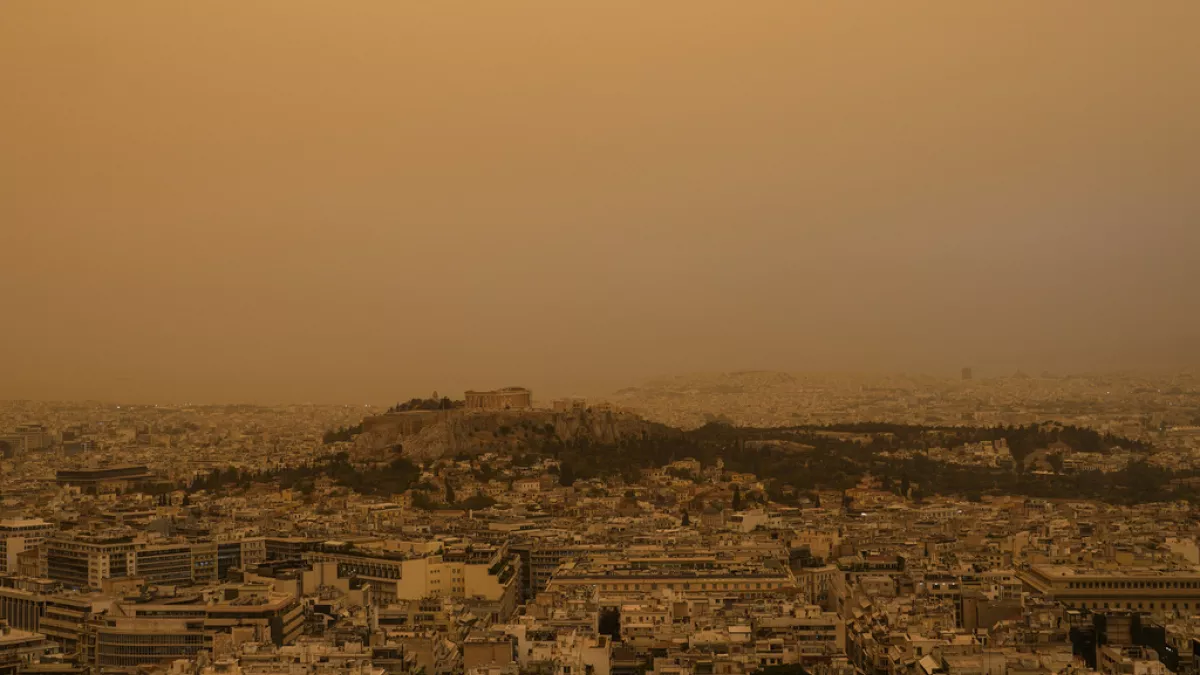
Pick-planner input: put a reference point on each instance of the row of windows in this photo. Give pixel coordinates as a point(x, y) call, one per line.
point(1134, 584)
point(1131, 605)
point(146, 639)
point(691, 586)
point(165, 553)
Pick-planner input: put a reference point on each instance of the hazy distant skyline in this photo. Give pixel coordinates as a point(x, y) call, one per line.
point(360, 202)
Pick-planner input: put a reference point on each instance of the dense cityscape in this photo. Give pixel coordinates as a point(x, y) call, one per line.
point(600, 337)
point(704, 525)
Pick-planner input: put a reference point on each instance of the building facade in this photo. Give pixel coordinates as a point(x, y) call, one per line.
point(508, 398)
point(620, 574)
point(18, 535)
point(1096, 589)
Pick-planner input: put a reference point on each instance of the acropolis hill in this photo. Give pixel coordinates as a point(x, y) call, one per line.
point(429, 434)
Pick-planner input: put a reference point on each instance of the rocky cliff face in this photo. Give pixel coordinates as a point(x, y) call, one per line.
point(475, 432)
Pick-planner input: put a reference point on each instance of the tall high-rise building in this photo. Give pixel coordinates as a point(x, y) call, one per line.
point(966, 374)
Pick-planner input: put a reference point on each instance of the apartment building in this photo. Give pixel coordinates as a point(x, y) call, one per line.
point(18, 535)
point(26, 438)
point(277, 618)
point(23, 608)
point(490, 574)
point(1122, 588)
point(89, 560)
point(699, 573)
point(541, 558)
point(65, 620)
point(116, 641)
point(239, 554)
point(18, 648)
point(86, 561)
point(163, 564)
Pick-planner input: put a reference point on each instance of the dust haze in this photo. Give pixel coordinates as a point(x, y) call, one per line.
point(312, 201)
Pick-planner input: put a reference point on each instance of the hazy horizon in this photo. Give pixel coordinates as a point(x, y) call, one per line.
point(302, 201)
point(545, 397)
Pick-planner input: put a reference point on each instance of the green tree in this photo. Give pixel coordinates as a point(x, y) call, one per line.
point(610, 624)
point(687, 521)
point(566, 475)
point(736, 504)
point(477, 502)
point(449, 494)
point(1056, 462)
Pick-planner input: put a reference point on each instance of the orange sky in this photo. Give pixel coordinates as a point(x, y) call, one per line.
point(365, 201)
